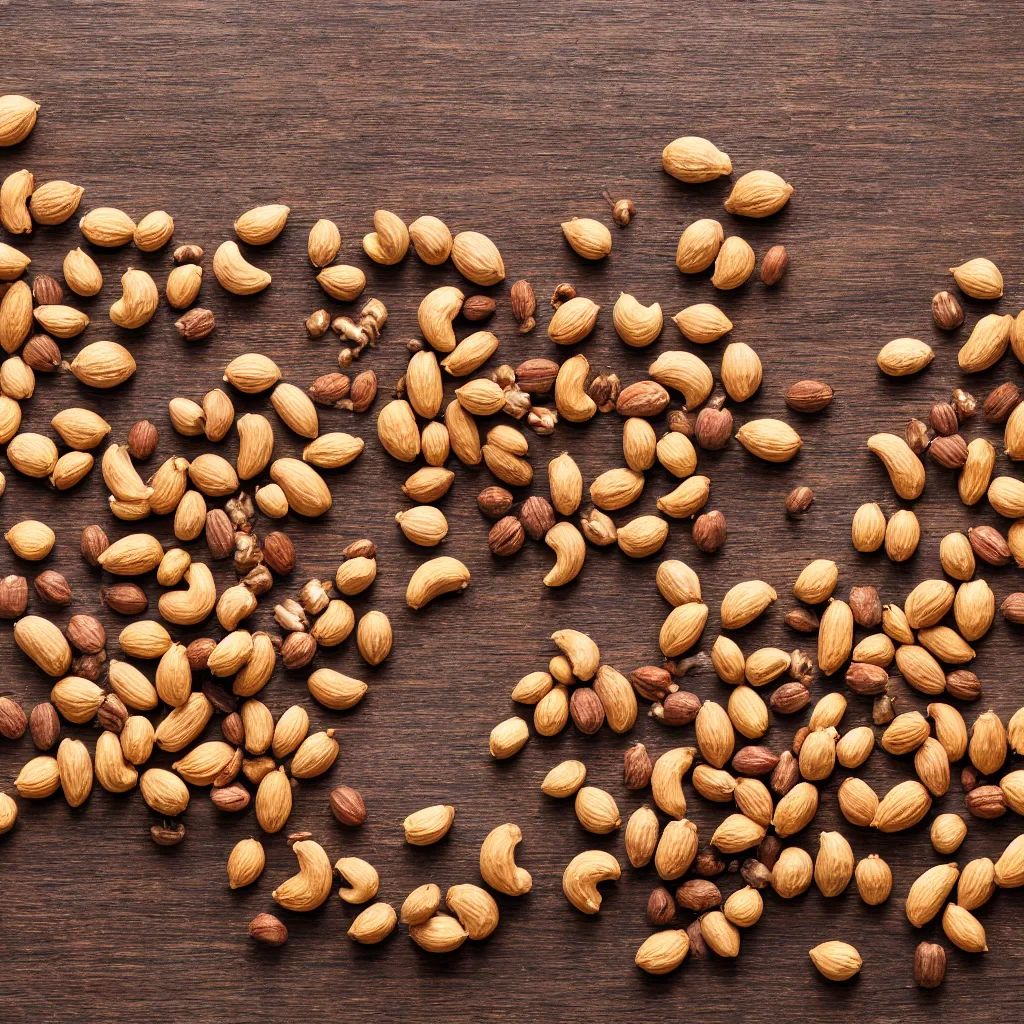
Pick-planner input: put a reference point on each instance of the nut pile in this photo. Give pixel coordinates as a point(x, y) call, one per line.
point(159, 692)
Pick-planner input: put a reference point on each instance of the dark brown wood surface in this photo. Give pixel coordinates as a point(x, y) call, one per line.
point(898, 126)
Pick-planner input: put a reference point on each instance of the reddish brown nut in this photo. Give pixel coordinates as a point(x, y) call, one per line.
point(698, 895)
point(44, 725)
point(698, 947)
point(587, 710)
point(524, 305)
point(13, 597)
point(866, 606)
point(167, 835)
point(196, 324)
point(865, 679)
point(347, 806)
point(268, 929)
point(279, 553)
point(661, 908)
point(929, 957)
point(124, 598)
point(363, 392)
point(677, 708)
point(918, 436)
point(297, 650)
point(653, 682)
point(645, 398)
point(949, 452)
point(362, 548)
point(86, 632)
point(713, 428)
point(478, 307)
point(46, 290)
point(752, 760)
point(790, 698)
point(707, 864)
point(506, 536)
point(637, 767)
point(94, 543)
point(799, 501)
point(13, 720)
point(330, 388)
point(709, 531)
point(143, 438)
point(963, 684)
point(803, 620)
point(233, 729)
point(989, 545)
point(220, 534)
point(536, 376)
point(943, 419)
point(537, 516)
point(199, 651)
point(756, 874)
point(90, 666)
point(986, 802)
point(947, 313)
point(188, 253)
point(53, 589)
point(1001, 402)
point(774, 264)
point(231, 798)
point(112, 713)
point(494, 502)
point(768, 851)
point(41, 353)
point(809, 396)
point(786, 774)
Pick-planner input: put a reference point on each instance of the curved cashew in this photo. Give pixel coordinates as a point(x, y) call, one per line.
point(307, 889)
point(120, 476)
point(188, 607)
point(687, 499)
point(432, 579)
point(498, 864)
point(169, 483)
point(432, 239)
point(362, 878)
point(389, 241)
point(584, 873)
point(667, 780)
point(138, 302)
point(570, 551)
point(684, 372)
point(255, 444)
point(235, 273)
point(582, 652)
point(236, 603)
point(436, 312)
point(571, 398)
point(636, 324)
point(905, 469)
point(15, 193)
point(475, 908)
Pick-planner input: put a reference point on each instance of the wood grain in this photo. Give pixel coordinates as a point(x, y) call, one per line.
point(898, 128)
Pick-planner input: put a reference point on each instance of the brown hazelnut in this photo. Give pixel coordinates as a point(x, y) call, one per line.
point(943, 419)
point(799, 501)
point(94, 543)
point(53, 589)
point(44, 725)
point(637, 767)
point(86, 632)
point(537, 516)
point(774, 264)
point(506, 536)
point(866, 606)
point(709, 531)
point(279, 553)
point(1001, 402)
point(13, 597)
point(661, 908)
point(347, 806)
point(143, 438)
point(929, 961)
point(587, 710)
point(713, 428)
point(947, 313)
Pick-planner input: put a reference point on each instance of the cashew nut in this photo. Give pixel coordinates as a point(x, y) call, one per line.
point(362, 878)
point(255, 444)
point(905, 469)
point(307, 889)
point(120, 476)
point(498, 864)
point(189, 607)
point(389, 241)
point(687, 499)
point(236, 603)
point(667, 780)
point(686, 373)
point(585, 872)
point(435, 315)
point(235, 273)
point(475, 908)
point(570, 551)
point(571, 398)
point(582, 652)
point(637, 325)
point(439, 576)
point(138, 302)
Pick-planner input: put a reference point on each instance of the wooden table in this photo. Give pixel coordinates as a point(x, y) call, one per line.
point(900, 132)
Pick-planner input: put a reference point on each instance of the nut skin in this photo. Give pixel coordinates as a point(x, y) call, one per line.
point(167, 835)
point(143, 438)
point(13, 720)
point(989, 545)
point(46, 290)
point(661, 908)
point(986, 802)
point(929, 960)
point(297, 650)
point(713, 428)
point(94, 543)
point(698, 947)
point(637, 767)
point(790, 698)
point(866, 606)
point(13, 597)
point(968, 778)
point(86, 632)
point(754, 761)
point(220, 534)
point(774, 265)
point(698, 895)
point(112, 713)
point(198, 653)
point(587, 710)
point(799, 501)
point(678, 708)
point(347, 806)
point(233, 729)
point(362, 548)
point(363, 393)
point(524, 305)
point(330, 388)
point(196, 324)
point(1001, 402)
point(279, 553)
point(44, 725)
point(707, 864)
point(506, 536)
point(950, 452)
point(478, 307)
point(963, 684)
point(494, 501)
point(947, 313)
point(267, 929)
point(536, 376)
point(53, 589)
point(537, 516)
point(124, 598)
point(768, 851)
point(943, 419)
point(803, 620)
point(809, 396)
point(41, 353)
point(709, 531)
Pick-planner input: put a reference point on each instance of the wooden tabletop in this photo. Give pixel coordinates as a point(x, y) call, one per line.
point(899, 128)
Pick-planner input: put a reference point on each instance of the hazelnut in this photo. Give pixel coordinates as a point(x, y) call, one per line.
point(537, 516)
point(279, 553)
point(709, 531)
point(947, 313)
point(142, 439)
